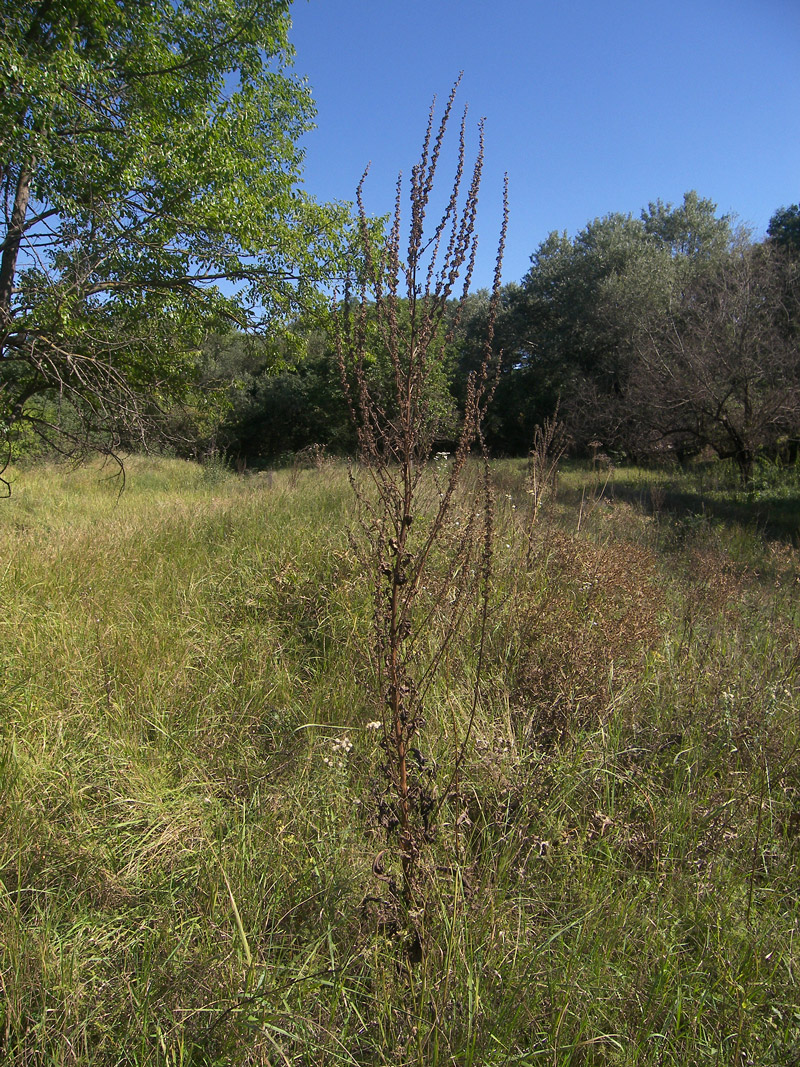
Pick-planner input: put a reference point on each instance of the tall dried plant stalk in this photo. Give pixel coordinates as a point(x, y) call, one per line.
point(426, 526)
point(549, 446)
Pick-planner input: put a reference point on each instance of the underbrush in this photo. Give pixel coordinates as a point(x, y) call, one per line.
point(191, 832)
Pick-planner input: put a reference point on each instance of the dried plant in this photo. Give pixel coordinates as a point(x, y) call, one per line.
point(425, 522)
point(549, 446)
point(583, 630)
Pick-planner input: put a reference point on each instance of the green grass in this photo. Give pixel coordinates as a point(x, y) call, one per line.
point(710, 491)
point(186, 855)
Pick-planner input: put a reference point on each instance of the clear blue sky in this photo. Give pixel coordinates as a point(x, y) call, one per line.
point(591, 106)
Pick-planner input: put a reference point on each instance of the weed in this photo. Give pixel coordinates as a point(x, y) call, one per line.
point(426, 531)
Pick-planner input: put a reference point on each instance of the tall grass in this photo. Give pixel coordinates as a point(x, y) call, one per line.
point(188, 820)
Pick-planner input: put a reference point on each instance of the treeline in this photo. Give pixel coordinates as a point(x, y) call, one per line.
point(162, 273)
point(665, 335)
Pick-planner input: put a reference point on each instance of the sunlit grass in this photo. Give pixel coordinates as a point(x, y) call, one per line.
point(186, 853)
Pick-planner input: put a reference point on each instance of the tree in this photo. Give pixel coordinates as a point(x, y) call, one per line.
point(523, 396)
point(722, 367)
point(149, 168)
point(582, 309)
point(691, 230)
point(576, 316)
point(277, 405)
point(784, 229)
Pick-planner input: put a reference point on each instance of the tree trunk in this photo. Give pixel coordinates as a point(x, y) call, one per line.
point(745, 460)
point(11, 245)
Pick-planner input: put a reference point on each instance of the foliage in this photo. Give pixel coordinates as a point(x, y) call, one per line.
point(691, 230)
point(784, 229)
point(281, 395)
point(149, 155)
point(665, 334)
point(722, 368)
point(574, 322)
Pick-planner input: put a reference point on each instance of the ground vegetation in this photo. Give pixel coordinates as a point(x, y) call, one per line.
point(187, 771)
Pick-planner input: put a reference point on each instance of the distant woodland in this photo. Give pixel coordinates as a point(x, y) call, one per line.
point(164, 285)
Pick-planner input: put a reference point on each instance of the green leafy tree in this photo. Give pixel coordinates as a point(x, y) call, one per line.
point(278, 403)
point(575, 324)
point(784, 229)
point(149, 165)
point(576, 316)
point(690, 230)
point(526, 391)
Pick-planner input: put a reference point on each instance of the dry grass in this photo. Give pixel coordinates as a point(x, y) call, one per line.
point(188, 847)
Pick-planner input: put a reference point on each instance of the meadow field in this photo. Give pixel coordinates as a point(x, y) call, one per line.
point(196, 867)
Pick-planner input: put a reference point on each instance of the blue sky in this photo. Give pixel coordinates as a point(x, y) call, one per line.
point(591, 106)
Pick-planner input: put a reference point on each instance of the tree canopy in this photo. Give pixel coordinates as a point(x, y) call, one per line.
point(149, 167)
point(668, 333)
point(571, 329)
point(671, 333)
point(721, 368)
point(784, 229)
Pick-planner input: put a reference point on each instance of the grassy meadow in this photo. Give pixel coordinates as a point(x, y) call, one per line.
point(190, 793)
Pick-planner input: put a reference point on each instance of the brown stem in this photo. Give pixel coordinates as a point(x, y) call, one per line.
point(16, 228)
point(401, 735)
